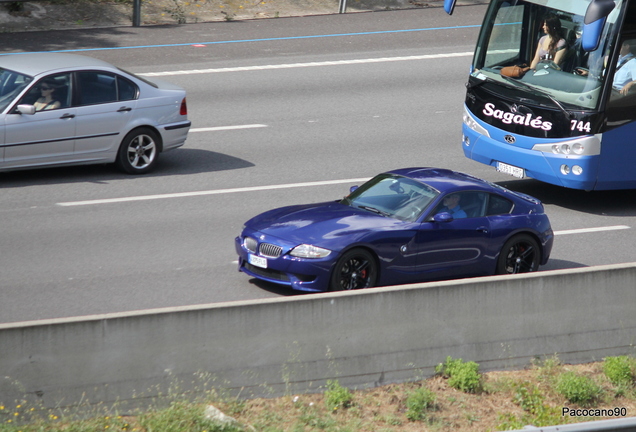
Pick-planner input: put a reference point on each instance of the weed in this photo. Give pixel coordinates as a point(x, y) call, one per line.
point(336, 396)
point(509, 421)
point(529, 398)
point(620, 370)
point(461, 375)
point(417, 402)
point(578, 389)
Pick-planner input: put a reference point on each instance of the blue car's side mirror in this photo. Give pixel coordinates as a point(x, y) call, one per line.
point(352, 189)
point(443, 217)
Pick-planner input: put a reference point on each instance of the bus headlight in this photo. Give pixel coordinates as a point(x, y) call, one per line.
point(565, 170)
point(577, 170)
point(582, 146)
point(578, 148)
point(472, 124)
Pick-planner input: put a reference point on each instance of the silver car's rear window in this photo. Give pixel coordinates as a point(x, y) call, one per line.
point(150, 83)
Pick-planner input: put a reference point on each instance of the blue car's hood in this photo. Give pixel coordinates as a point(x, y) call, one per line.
point(322, 224)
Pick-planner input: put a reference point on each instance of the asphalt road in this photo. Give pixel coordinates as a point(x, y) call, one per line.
point(284, 111)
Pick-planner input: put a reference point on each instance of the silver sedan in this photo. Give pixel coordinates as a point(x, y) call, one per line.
point(66, 109)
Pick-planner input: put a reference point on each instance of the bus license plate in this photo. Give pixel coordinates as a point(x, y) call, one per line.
point(510, 170)
point(257, 261)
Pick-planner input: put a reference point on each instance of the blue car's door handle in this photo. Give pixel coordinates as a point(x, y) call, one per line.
point(483, 230)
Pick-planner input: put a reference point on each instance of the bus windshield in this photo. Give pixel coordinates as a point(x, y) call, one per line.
point(563, 75)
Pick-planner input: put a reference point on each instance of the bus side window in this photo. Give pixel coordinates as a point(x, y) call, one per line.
point(625, 73)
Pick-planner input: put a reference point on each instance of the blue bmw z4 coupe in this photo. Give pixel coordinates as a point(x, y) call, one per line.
point(403, 226)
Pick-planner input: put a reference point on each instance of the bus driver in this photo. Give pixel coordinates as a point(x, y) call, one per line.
point(625, 75)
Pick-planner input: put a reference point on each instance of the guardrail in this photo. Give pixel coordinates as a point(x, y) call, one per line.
point(294, 344)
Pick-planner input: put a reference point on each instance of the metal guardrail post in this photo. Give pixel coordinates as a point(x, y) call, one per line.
point(342, 6)
point(136, 13)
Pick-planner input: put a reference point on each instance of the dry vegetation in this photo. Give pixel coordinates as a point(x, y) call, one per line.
point(497, 407)
point(501, 400)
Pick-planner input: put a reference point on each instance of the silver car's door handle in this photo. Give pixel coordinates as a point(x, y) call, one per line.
point(67, 116)
point(123, 109)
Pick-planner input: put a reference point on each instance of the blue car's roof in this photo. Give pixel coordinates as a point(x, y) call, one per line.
point(443, 179)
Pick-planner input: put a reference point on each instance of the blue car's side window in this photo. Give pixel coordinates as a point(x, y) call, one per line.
point(498, 205)
point(463, 204)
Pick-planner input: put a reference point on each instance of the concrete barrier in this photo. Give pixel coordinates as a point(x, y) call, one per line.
point(363, 338)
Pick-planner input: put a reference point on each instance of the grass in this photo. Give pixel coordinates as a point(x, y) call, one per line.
point(505, 400)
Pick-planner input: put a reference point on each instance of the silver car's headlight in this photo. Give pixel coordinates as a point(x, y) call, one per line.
point(309, 251)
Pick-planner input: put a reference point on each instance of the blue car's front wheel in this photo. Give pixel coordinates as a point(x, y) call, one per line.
point(354, 270)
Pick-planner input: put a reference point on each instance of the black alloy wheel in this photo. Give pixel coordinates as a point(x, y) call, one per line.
point(520, 254)
point(355, 269)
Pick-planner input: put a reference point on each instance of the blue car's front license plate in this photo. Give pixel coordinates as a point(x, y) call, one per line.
point(257, 261)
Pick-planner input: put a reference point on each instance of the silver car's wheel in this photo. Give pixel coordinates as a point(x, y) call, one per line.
point(138, 151)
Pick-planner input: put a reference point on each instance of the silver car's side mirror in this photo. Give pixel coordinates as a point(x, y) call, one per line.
point(26, 109)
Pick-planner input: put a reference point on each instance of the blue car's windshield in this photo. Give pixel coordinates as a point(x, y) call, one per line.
point(393, 196)
point(11, 84)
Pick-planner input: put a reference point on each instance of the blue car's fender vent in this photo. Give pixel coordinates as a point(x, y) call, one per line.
point(267, 273)
point(269, 250)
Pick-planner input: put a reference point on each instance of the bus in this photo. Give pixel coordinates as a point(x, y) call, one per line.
point(570, 120)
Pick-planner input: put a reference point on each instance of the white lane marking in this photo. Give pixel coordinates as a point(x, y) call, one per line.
point(208, 192)
point(591, 230)
point(309, 64)
point(224, 128)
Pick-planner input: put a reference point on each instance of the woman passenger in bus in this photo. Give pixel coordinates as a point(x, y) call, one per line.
point(552, 46)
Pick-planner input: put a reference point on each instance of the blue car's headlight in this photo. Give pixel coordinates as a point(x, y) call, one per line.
point(309, 251)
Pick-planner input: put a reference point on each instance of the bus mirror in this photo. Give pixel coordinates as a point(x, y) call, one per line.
point(591, 37)
point(595, 17)
point(598, 9)
point(449, 6)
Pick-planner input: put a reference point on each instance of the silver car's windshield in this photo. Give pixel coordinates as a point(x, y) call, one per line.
point(565, 74)
point(393, 196)
point(11, 84)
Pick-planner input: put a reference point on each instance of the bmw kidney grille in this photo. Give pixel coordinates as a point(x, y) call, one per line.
point(270, 250)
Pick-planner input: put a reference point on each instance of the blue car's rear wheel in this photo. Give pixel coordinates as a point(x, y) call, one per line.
point(520, 254)
point(354, 270)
